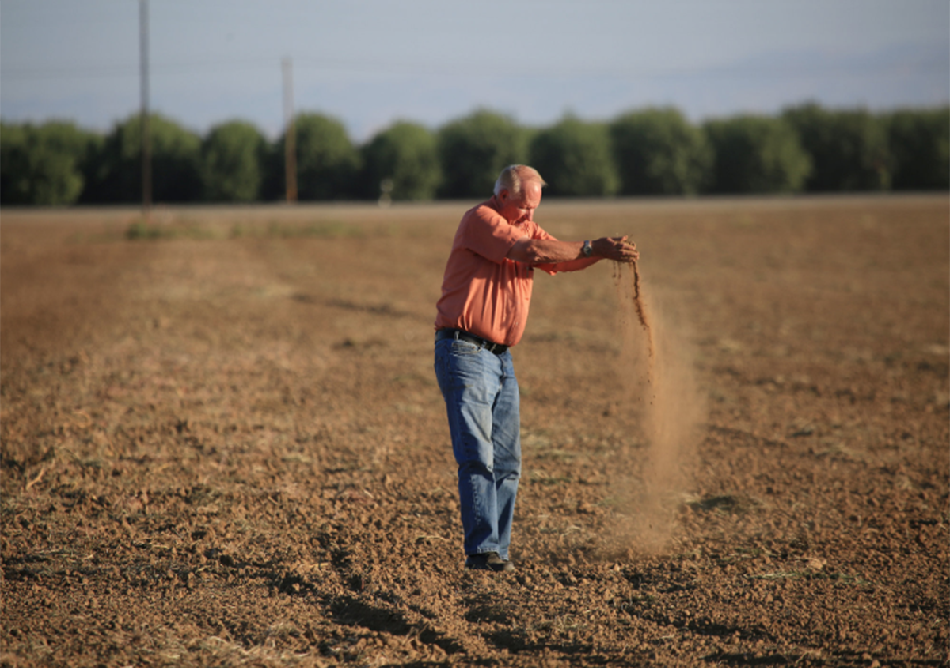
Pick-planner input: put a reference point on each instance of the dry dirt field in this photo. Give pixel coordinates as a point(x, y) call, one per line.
point(226, 446)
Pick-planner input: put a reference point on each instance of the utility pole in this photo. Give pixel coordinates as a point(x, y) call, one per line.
point(290, 154)
point(146, 135)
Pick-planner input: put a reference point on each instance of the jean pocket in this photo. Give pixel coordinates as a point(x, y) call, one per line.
point(464, 348)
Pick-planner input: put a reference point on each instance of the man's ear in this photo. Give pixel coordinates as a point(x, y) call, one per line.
point(503, 195)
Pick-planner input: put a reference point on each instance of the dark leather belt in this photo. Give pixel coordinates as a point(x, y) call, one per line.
point(496, 348)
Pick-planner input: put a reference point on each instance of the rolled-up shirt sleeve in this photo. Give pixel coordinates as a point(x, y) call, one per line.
point(485, 232)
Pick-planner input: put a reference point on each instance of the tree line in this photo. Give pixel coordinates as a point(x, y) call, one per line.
point(646, 152)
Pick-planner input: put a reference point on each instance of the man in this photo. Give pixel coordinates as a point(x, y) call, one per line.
point(486, 292)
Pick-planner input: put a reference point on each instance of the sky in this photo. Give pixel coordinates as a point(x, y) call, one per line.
point(372, 62)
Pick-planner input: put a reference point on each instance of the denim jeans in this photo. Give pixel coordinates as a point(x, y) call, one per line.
point(482, 404)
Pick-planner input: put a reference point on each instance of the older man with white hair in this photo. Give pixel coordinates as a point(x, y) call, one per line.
point(486, 294)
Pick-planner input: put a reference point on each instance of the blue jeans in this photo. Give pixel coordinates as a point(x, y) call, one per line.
point(482, 404)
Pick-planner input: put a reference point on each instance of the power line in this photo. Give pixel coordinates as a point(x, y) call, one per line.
point(343, 66)
point(124, 70)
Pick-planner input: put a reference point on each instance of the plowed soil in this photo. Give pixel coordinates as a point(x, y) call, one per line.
point(226, 446)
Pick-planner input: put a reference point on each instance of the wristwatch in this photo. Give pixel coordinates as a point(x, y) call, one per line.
point(586, 249)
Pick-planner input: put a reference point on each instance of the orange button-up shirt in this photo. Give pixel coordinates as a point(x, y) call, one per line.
point(483, 292)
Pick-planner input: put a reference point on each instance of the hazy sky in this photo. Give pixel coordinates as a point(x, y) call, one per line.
point(370, 62)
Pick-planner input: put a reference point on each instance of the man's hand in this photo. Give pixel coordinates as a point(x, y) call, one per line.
point(617, 249)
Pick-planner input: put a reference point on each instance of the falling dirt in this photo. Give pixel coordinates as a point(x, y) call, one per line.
point(227, 447)
point(641, 308)
point(661, 391)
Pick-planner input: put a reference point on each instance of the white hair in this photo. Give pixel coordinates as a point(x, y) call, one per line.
point(513, 177)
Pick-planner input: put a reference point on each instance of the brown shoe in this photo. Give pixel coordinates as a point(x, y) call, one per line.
point(488, 561)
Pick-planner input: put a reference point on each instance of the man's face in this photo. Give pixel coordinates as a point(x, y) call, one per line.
point(519, 208)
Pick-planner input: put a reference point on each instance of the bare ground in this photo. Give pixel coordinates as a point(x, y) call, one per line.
point(227, 447)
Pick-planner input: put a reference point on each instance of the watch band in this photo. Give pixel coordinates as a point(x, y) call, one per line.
point(586, 249)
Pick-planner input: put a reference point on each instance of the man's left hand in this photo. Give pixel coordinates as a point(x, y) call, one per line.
point(617, 249)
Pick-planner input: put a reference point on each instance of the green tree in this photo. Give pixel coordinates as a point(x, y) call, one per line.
point(407, 156)
point(473, 150)
point(755, 154)
point(575, 159)
point(327, 161)
point(232, 155)
point(919, 142)
point(658, 152)
point(116, 173)
point(43, 164)
point(848, 149)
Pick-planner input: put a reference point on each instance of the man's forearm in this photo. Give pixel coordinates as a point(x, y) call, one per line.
point(546, 251)
point(576, 265)
point(549, 251)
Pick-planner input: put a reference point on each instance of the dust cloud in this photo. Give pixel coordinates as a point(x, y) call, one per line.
point(666, 409)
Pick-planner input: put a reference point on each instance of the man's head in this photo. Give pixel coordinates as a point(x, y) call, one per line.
point(518, 191)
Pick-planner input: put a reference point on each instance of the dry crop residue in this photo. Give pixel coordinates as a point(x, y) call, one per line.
point(232, 450)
